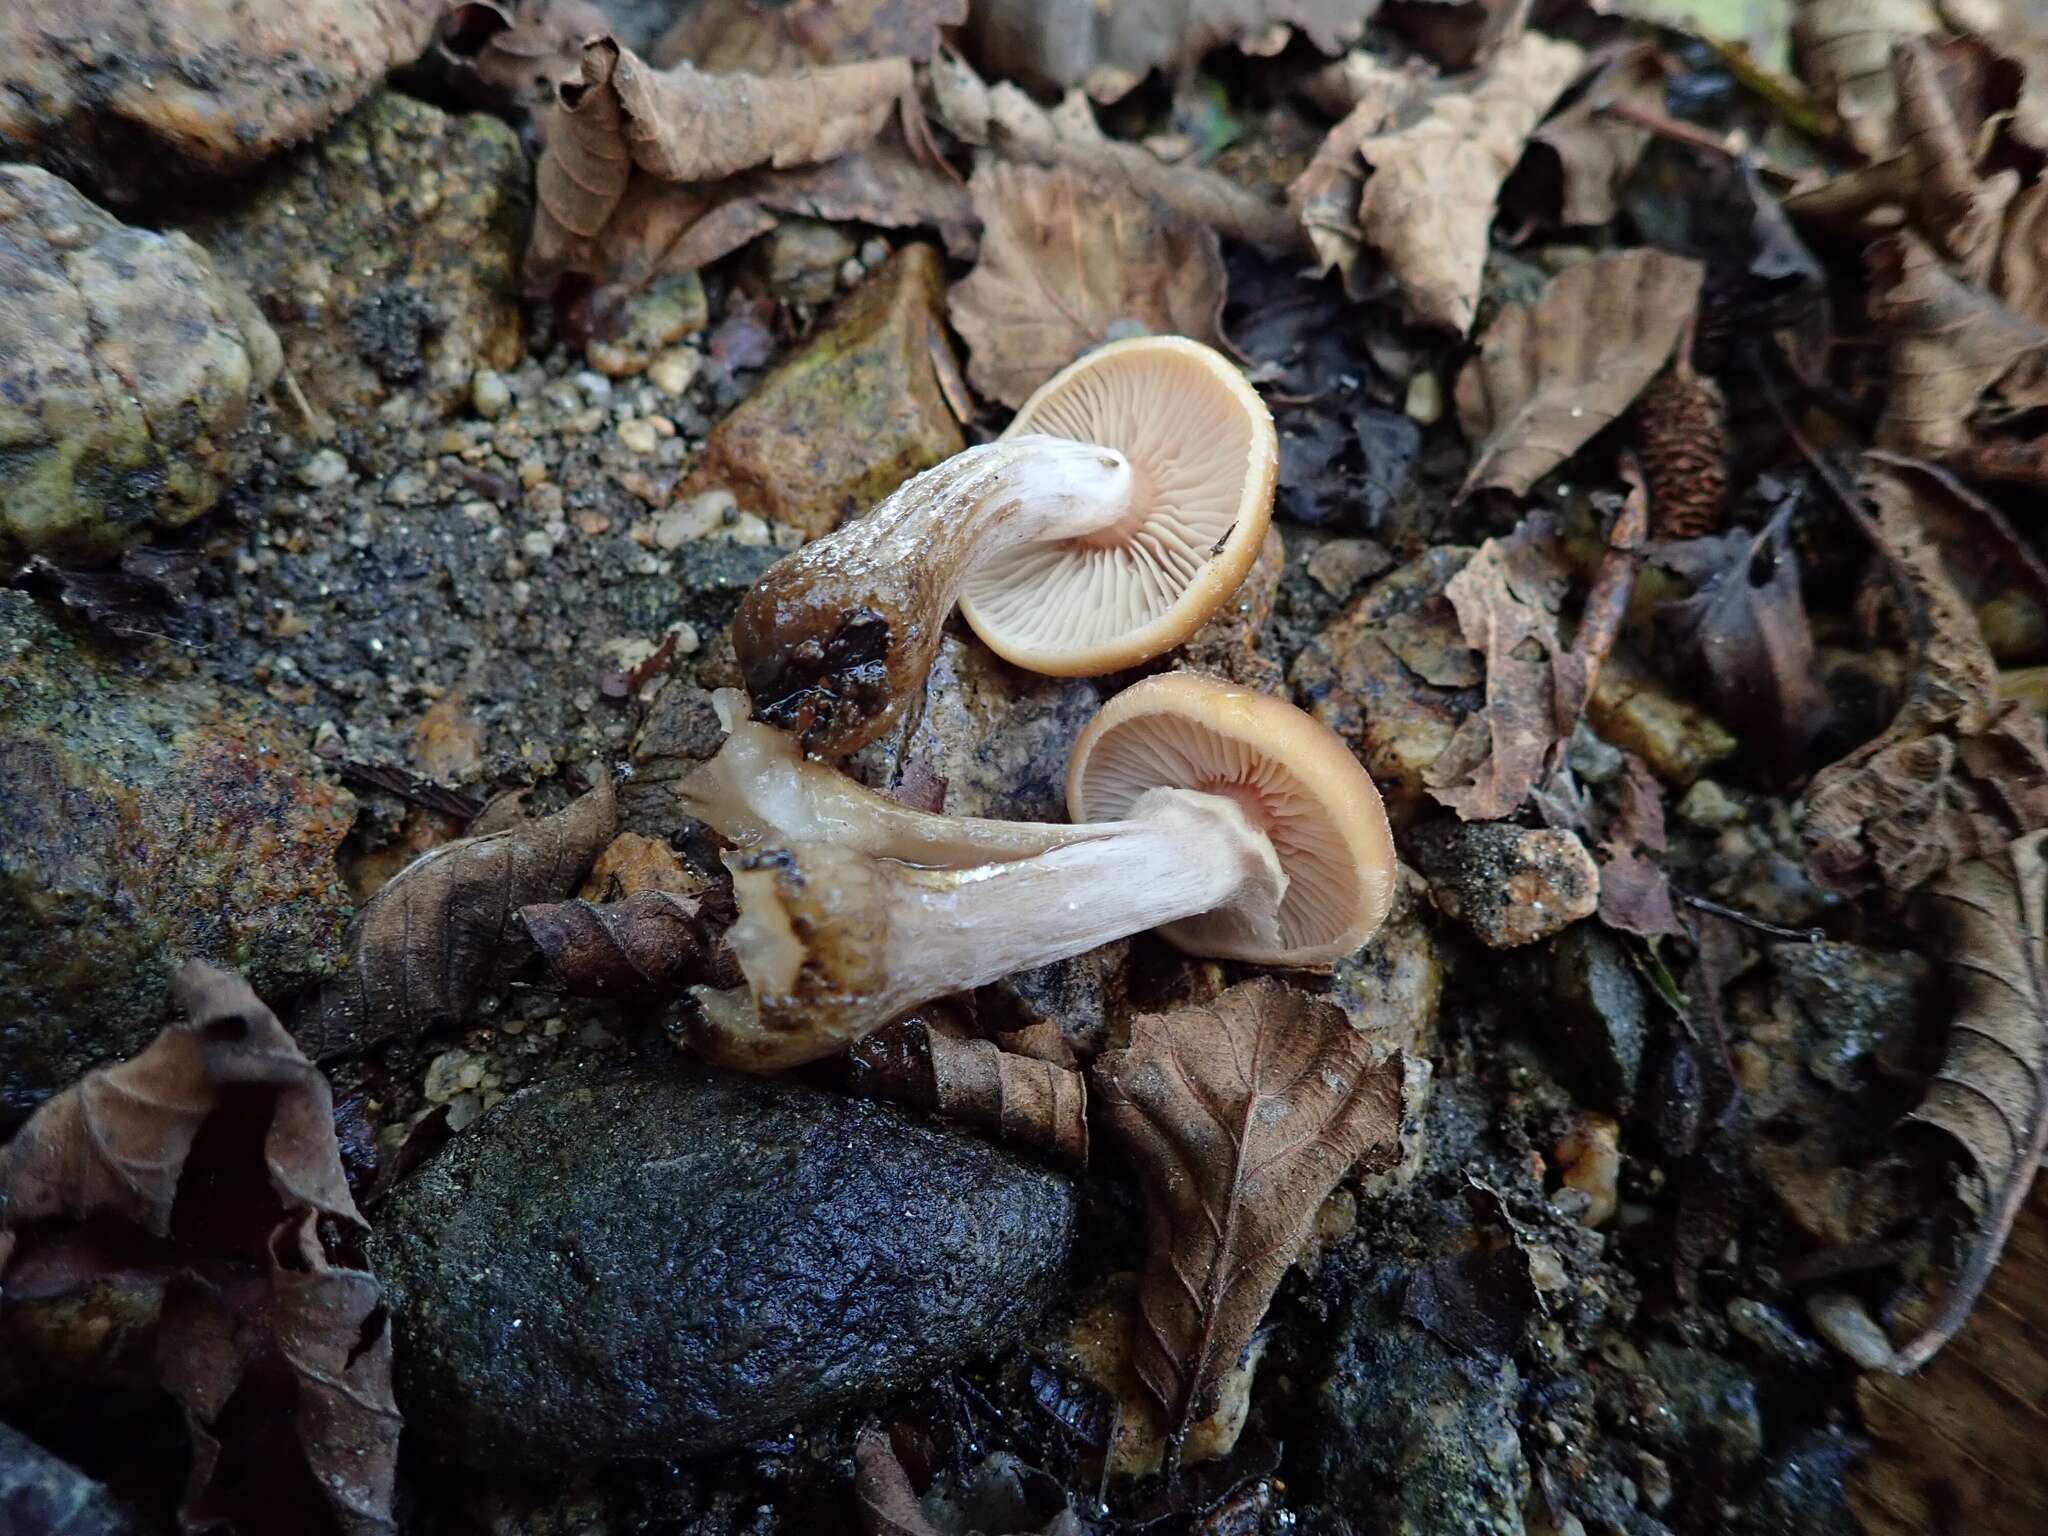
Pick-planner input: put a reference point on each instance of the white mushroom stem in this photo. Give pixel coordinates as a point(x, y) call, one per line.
point(837, 938)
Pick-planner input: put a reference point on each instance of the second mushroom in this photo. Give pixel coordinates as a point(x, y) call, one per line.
point(1232, 822)
point(1122, 507)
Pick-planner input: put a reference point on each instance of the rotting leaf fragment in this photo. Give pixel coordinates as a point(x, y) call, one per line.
point(1242, 1116)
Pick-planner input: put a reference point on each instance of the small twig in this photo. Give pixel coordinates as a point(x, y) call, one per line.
point(413, 788)
point(1744, 919)
point(1650, 120)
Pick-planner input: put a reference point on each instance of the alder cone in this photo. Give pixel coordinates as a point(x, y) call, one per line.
point(1682, 440)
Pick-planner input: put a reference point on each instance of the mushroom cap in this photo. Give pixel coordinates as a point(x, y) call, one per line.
point(1294, 777)
point(1204, 457)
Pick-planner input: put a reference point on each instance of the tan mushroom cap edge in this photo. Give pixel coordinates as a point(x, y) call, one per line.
point(1206, 457)
point(1295, 777)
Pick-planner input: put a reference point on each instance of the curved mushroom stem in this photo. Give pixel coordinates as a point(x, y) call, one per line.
point(835, 639)
point(835, 943)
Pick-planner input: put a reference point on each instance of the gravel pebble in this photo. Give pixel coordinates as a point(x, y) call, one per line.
point(490, 394)
point(323, 469)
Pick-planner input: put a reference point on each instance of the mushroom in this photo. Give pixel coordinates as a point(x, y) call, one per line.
point(1238, 826)
point(1065, 558)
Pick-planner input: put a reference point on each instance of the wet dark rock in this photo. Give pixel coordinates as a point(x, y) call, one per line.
point(387, 255)
point(1081, 996)
point(1510, 885)
point(1597, 1016)
point(1410, 1437)
point(1714, 1419)
point(675, 1262)
point(1857, 1003)
point(127, 364)
point(1800, 1490)
point(43, 1496)
point(150, 818)
point(1393, 985)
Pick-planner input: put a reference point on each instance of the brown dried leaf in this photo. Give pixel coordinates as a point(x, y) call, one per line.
point(1635, 893)
point(1325, 196)
point(1508, 598)
point(882, 1492)
point(1991, 1091)
point(1017, 127)
point(1958, 1447)
point(1586, 151)
point(1026, 1100)
point(882, 183)
point(685, 126)
point(2021, 277)
point(1242, 1114)
point(118, 94)
point(1430, 200)
point(1962, 214)
point(521, 53)
point(425, 944)
point(1745, 625)
point(1110, 48)
point(1953, 777)
point(1949, 344)
point(1845, 48)
point(1065, 262)
point(1607, 601)
point(784, 37)
point(1548, 376)
point(257, 1311)
point(650, 946)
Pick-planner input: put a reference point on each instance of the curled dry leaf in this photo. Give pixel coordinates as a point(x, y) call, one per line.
point(1962, 213)
point(650, 946)
point(1325, 195)
point(683, 126)
point(1549, 375)
point(1745, 625)
point(1954, 776)
point(1430, 199)
point(118, 94)
point(784, 37)
point(881, 1490)
point(521, 53)
point(418, 953)
point(1110, 48)
point(253, 1308)
point(1635, 893)
point(1243, 1114)
point(1017, 1098)
point(1007, 120)
point(1585, 152)
point(1067, 263)
point(1991, 1091)
point(1949, 344)
point(1845, 47)
point(1966, 1433)
point(2021, 275)
point(1507, 599)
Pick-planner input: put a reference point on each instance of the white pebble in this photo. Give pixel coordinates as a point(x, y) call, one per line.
point(490, 394)
point(323, 469)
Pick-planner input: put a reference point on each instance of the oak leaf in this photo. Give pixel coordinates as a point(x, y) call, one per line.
point(1950, 343)
point(782, 37)
point(213, 1152)
point(426, 943)
point(1549, 375)
point(1745, 626)
point(1067, 263)
point(1242, 1114)
point(1955, 775)
point(1507, 599)
point(1429, 202)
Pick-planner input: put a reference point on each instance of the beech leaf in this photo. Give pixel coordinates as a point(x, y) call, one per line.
point(1991, 1091)
point(1950, 343)
point(256, 1311)
point(1635, 893)
point(1591, 151)
point(1326, 194)
point(1845, 47)
point(652, 945)
point(1549, 375)
point(1507, 600)
point(521, 53)
point(1069, 262)
point(1019, 1098)
point(431, 938)
point(1745, 625)
point(785, 37)
point(1429, 202)
point(1954, 776)
point(1242, 1114)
